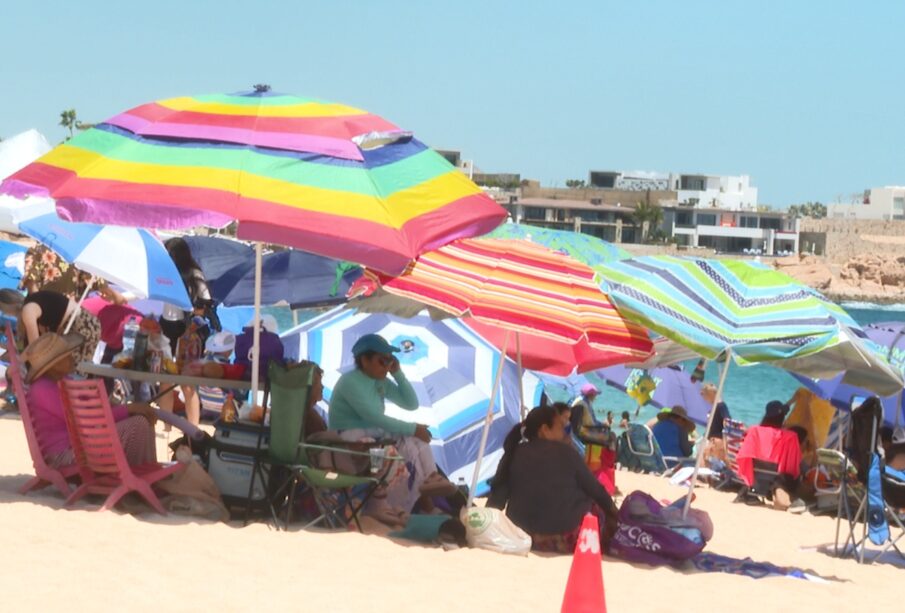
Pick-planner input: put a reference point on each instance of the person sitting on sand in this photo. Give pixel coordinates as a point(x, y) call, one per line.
point(625, 421)
point(716, 446)
point(565, 415)
point(357, 410)
point(545, 487)
point(672, 430)
point(51, 358)
point(770, 442)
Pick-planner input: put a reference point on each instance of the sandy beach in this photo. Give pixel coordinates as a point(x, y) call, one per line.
point(80, 559)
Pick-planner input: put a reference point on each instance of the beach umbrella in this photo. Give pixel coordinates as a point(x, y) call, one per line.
point(297, 278)
point(890, 337)
point(12, 264)
point(585, 248)
point(746, 312)
point(324, 177)
point(451, 369)
point(15, 153)
point(132, 258)
point(222, 260)
point(519, 287)
point(660, 388)
point(753, 312)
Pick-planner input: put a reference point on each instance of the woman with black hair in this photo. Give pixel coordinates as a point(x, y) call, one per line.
point(545, 486)
point(173, 320)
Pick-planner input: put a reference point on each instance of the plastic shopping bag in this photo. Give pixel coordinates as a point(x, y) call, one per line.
point(487, 528)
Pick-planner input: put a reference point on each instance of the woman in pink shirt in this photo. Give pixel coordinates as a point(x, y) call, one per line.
point(49, 359)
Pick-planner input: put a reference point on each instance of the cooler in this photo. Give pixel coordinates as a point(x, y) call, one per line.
point(231, 461)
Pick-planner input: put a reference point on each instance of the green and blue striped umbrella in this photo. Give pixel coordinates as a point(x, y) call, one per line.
point(585, 248)
point(759, 314)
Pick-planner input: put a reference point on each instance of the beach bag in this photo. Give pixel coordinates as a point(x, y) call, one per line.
point(654, 534)
point(487, 528)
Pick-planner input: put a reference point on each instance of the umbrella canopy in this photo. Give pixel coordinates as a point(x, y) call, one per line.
point(759, 314)
point(521, 287)
point(12, 264)
point(324, 177)
point(585, 248)
point(300, 279)
point(129, 257)
point(890, 337)
point(658, 387)
point(293, 277)
point(450, 367)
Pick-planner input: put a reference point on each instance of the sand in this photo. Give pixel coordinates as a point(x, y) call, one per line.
point(81, 559)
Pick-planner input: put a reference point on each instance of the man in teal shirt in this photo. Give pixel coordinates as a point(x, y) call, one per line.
point(357, 410)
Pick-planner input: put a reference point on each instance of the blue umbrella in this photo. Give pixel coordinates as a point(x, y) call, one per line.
point(12, 260)
point(298, 278)
point(673, 386)
point(451, 369)
point(890, 337)
point(132, 258)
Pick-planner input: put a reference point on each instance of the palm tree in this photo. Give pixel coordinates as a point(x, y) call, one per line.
point(650, 213)
point(69, 121)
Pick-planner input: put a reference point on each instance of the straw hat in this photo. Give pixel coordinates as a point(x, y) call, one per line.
point(47, 350)
point(677, 413)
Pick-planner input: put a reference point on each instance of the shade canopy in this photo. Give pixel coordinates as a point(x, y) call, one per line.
point(327, 178)
point(759, 314)
point(517, 286)
point(585, 248)
point(450, 368)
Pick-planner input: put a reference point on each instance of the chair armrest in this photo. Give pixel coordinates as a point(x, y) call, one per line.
point(365, 454)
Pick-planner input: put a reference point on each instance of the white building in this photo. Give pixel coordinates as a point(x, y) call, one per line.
point(882, 203)
point(733, 193)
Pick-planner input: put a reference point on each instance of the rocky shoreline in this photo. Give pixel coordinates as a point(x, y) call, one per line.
point(879, 279)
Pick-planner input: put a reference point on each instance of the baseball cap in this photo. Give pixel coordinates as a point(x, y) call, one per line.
point(220, 342)
point(589, 388)
point(373, 342)
point(775, 408)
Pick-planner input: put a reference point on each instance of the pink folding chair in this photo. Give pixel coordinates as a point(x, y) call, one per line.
point(99, 452)
point(44, 473)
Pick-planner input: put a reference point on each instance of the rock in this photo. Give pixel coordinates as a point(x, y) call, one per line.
point(866, 277)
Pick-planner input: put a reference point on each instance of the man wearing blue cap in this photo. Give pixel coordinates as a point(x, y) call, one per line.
point(357, 410)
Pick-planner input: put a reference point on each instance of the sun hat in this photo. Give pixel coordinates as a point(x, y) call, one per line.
point(268, 322)
point(47, 350)
point(589, 388)
point(220, 342)
point(676, 412)
point(775, 408)
point(372, 342)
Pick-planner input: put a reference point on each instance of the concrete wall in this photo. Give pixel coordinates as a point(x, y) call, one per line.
point(846, 238)
point(531, 189)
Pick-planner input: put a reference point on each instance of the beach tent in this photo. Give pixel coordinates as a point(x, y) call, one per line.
point(451, 368)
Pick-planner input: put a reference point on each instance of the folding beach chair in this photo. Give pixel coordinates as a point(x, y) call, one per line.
point(733, 435)
point(332, 490)
point(831, 470)
point(638, 450)
point(99, 452)
point(44, 473)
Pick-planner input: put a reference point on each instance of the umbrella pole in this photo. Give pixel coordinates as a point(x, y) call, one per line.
point(256, 333)
point(497, 381)
point(700, 455)
point(521, 372)
point(79, 305)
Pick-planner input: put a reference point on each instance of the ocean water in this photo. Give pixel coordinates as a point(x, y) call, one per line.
point(748, 389)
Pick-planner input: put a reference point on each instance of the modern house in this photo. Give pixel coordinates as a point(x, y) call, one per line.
point(733, 231)
point(881, 203)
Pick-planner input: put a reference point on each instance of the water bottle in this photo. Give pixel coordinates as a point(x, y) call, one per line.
point(463, 489)
point(140, 352)
point(130, 331)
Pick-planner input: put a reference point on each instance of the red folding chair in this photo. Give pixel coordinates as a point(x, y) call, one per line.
point(44, 473)
point(99, 452)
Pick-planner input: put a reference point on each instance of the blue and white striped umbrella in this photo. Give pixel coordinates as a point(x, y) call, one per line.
point(451, 369)
point(132, 258)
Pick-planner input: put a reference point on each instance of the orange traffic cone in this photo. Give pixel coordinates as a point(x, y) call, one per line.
point(584, 590)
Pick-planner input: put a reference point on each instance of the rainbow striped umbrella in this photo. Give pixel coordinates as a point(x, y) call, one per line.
point(323, 177)
point(517, 286)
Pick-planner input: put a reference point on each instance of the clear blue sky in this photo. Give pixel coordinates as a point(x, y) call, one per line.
point(806, 97)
